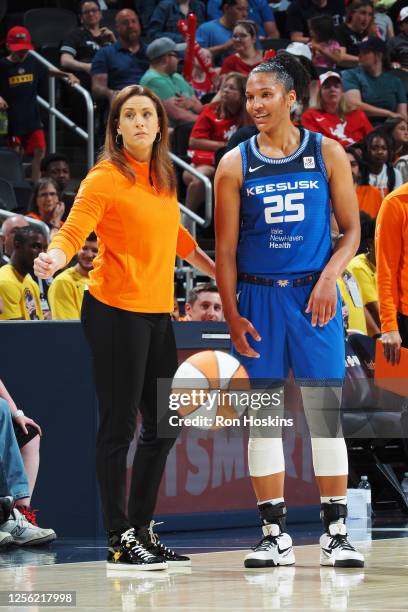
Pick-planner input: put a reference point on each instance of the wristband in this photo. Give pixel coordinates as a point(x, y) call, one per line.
point(17, 414)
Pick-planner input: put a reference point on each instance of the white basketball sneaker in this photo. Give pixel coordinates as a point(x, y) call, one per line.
point(336, 550)
point(25, 533)
point(274, 549)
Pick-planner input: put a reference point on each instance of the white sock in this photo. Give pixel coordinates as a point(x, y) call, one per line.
point(334, 499)
point(274, 501)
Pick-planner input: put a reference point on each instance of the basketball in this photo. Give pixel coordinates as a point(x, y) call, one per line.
point(207, 390)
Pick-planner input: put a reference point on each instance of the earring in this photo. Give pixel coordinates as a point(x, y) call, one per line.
point(118, 135)
point(159, 137)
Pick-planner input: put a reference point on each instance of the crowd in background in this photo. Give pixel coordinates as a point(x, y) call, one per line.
point(356, 55)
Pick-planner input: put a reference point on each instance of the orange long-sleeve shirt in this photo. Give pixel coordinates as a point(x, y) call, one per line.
point(392, 257)
point(139, 234)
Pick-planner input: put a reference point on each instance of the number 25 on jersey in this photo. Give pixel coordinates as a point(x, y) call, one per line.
point(289, 204)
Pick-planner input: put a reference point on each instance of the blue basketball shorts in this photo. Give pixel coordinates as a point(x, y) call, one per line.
point(316, 355)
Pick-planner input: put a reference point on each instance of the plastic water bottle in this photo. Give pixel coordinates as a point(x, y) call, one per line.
point(404, 486)
point(364, 484)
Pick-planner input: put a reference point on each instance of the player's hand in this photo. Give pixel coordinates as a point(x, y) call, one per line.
point(391, 342)
point(323, 301)
point(45, 265)
point(239, 327)
point(23, 421)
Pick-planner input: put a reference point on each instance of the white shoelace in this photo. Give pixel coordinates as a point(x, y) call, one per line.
point(136, 547)
point(155, 538)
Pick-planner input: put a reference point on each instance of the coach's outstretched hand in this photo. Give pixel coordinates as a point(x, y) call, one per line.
point(323, 301)
point(46, 264)
point(239, 326)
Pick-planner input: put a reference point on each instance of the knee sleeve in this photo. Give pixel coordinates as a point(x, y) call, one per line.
point(265, 456)
point(329, 456)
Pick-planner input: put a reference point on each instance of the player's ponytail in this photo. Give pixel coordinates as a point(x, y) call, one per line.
point(289, 71)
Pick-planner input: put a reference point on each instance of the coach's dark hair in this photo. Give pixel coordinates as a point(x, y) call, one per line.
point(200, 288)
point(288, 71)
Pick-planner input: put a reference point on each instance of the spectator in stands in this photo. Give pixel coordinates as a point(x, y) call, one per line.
point(246, 55)
point(46, 205)
point(383, 26)
point(215, 125)
point(356, 28)
point(326, 51)
point(397, 132)
point(399, 44)
point(167, 13)
point(371, 88)
point(369, 197)
point(301, 11)
point(81, 44)
point(8, 229)
point(67, 289)
point(178, 98)
point(392, 272)
point(363, 268)
point(377, 169)
point(20, 74)
point(18, 472)
point(122, 63)
point(204, 304)
point(259, 11)
point(216, 35)
point(353, 309)
point(332, 115)
point(56, 166)
point(19, 292)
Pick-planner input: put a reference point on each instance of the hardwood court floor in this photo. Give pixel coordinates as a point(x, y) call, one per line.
point(218, 581)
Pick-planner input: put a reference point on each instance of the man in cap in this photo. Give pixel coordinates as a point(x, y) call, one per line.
point(398, 45)
point(163, 79)
point(20, 74)
point(384, 95)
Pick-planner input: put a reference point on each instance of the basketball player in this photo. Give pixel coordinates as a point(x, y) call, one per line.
point(273, 196)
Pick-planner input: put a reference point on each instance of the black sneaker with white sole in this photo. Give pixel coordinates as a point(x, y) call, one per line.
point(129, 553)
point(152, 543)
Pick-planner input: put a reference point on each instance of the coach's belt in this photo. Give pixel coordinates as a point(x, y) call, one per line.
point(281, 282)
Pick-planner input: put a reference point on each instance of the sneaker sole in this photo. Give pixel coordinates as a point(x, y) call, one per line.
point(129, 567)
point(179, 563)
point(6, 541)
point(342, 563)
point(36, 542)
point(259, 563)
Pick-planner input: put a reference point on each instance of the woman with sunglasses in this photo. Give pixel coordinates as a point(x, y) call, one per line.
point(246, 55)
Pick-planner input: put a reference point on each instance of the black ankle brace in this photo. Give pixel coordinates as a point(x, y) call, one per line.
point(273, 514)
point(331, 513)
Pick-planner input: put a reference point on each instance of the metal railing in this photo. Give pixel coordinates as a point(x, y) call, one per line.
point(191, 219)
point(55, 114)
point(43, 227)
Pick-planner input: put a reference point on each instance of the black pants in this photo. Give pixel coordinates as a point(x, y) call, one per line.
point(130, 351)
point(403, 329)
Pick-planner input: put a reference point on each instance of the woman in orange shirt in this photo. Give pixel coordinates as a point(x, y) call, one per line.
point(129, 200)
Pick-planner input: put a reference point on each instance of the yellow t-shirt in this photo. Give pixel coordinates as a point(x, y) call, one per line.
point(65, 295)
point(356, 316)
point(20, 295)
point(366, 278)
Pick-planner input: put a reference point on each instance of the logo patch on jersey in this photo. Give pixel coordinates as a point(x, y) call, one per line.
point(256, 168)
point(309, 162)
